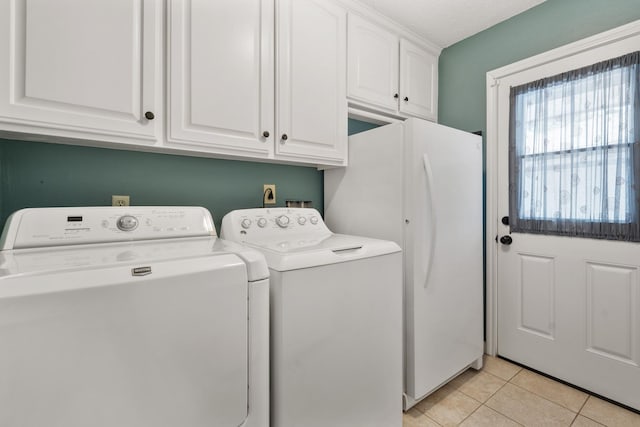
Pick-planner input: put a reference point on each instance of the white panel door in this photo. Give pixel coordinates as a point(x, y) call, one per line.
point(372, 64)
point(221, 75)
point(311, 102)
point(418, 81)
point(86, 66)
point(569, 307)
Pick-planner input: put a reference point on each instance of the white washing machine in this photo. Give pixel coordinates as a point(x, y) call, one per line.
point(130, 317)
point(336, 319)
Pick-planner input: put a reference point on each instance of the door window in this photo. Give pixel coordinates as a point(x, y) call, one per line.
point(574, 155)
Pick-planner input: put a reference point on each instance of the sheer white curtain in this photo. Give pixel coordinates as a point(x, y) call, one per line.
point(574, 158)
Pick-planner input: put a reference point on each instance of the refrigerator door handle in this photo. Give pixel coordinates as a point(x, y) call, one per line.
point(429, 198)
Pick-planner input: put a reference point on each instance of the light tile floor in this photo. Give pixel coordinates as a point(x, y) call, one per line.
point(503, 394)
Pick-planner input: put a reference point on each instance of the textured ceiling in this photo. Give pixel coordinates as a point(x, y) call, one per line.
point(445, 22)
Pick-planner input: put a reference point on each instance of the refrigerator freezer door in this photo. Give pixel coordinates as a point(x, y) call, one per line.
point(420, 184)
point(443, 254)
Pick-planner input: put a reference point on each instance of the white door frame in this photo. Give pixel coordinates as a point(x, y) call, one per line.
point(493, 81)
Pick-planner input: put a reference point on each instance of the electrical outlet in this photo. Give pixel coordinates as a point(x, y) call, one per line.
point(269, 194)
point(119, 200)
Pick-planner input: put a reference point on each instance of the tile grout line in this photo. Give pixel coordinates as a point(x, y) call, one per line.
point(509, 381)
point(430, 419)
point(473, 412)
point(589, 418)
point(547, 399)
point(495, 410)
point(544, 398)
point(584, 403)
point(472, 398)
point(492, 394)
point(574, 419)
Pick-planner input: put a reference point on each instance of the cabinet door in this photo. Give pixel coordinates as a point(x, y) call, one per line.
point(81, 68)
point(372, 64)
point(418, 81)
point(221, 72)
point(311, 102)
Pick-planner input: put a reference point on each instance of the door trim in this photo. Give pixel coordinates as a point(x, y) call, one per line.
point(493, 78)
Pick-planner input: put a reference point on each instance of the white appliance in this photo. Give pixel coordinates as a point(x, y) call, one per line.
point(336, 319)
point(130, 317)
point(419, 184)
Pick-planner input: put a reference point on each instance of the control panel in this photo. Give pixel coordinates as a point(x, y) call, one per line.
point(43, 227)
point(257, 224)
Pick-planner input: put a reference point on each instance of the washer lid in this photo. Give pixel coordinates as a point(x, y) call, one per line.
point(305, 251)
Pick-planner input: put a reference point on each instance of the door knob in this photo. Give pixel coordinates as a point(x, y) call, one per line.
point(265, 134)
point(284, 137)
point(506, 240)
point(406, 98)
point(505, 220)
point(396, 96)
point(149, 115)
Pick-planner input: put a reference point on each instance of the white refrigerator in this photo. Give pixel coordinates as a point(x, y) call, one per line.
point(419, 184)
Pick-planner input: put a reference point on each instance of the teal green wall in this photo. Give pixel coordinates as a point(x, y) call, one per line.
point(357, 126)
point(40, 174)
point(36, 174)
point(463, 66)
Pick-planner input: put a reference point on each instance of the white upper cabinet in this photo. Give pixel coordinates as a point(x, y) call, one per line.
point(228, 94)
point(221, 76)
point(86, 69)
point(311, 104)
point(373, 64)
point(388, 74)
point(418, 81)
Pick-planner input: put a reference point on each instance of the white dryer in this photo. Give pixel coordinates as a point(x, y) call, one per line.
point(130, 317)
point(336, 319)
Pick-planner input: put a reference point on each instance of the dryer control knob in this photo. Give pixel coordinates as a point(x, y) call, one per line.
point(314, 220)
point(262, 223)
point(127, 223)
point(246, 223)
point(282, 221)
point(302, 220)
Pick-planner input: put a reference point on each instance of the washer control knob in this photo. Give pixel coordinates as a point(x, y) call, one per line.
point(246, 223)
point(314, 220)
point(262, 223)
point(302, 220)
point(282, 221)
point(127, 223)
